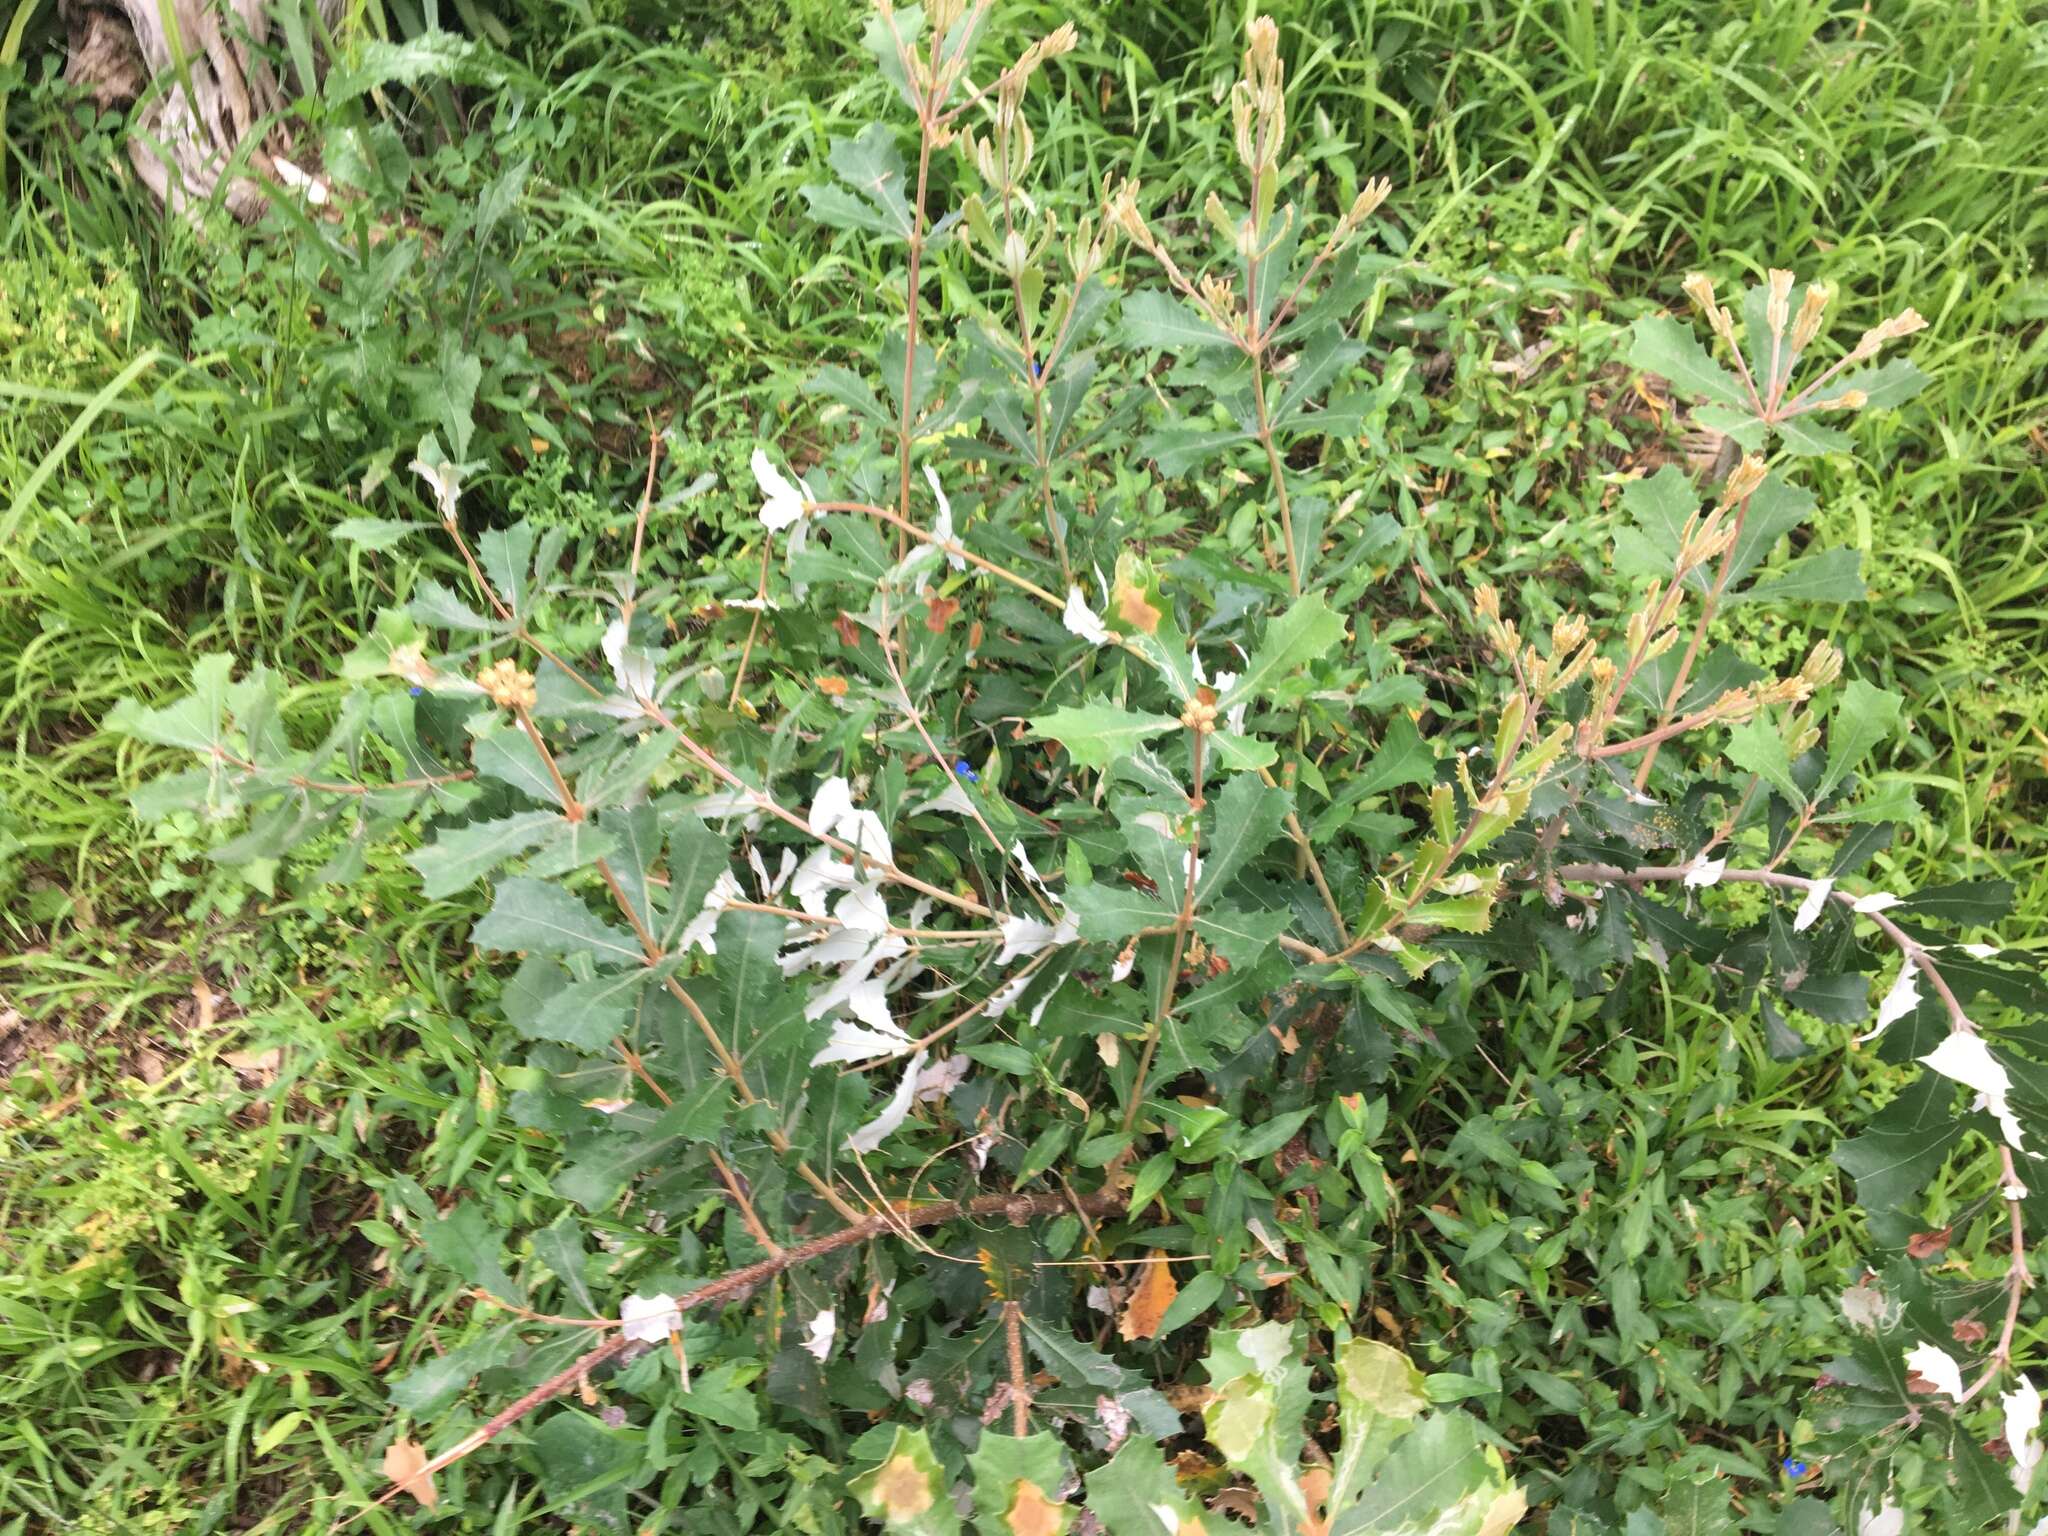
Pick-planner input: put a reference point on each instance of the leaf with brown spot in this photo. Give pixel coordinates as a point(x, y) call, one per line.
point(1130, 604)
point(1154, 1294)
point(405, 1463)
point(1925, 1245)
point(903, 1488)
point(848, 635)
point(1032, 1513)
point(832, 687)
point(1968, 1330)
point(938, 613)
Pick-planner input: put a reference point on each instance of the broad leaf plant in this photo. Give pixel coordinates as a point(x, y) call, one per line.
point(983, 914)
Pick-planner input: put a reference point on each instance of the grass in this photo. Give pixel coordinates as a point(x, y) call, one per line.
point(203, 1296)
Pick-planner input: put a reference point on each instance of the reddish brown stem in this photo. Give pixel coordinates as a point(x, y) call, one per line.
point(1017, 1209)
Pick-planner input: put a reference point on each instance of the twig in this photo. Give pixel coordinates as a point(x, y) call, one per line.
point(1017, 1209)
point(1020, 1389)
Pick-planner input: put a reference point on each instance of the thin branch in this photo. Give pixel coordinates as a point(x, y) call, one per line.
point(1019, 1210)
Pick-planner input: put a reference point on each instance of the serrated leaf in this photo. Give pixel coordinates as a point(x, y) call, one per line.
point(460, 856)
point(1309, 628)
point(870, 197)
point(1248, 819)
point(638, 1138)
point(1904, 1145)
point(1154, 319)
point(466, 1242)
point(1832, 576)
point(906, 1492)
point(1863, 717)
point(1669, 347)
point(542, 919)
point(1097, 733)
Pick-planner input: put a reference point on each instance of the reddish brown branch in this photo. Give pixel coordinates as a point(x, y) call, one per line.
point(1018, 1210)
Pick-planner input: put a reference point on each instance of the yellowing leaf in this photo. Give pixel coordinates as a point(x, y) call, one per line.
point(405, 1463)
point(1150, 1300)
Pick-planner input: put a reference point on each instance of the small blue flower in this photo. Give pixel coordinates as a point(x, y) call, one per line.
point(966, 772)
point(1794, 1467)
point(415, 690)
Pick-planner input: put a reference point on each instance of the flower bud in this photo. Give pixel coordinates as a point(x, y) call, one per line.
point(506, 686)
point(1811, 308)
point(1745, 478)
point(1369, 198)
point(1777, 308)
point(1822, 666)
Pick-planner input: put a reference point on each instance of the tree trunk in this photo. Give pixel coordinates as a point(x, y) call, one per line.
point(193, 122)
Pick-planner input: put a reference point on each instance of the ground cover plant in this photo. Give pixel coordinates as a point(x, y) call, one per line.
point(1624, 1342)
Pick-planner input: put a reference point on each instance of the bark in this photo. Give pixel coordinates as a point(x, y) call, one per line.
point(183, 142)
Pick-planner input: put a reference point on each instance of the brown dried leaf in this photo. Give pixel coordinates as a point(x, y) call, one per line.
point(1155, 1291)
point(405, 1463)
point(1925, 1245)
point(258, 1066)
point(938, 613)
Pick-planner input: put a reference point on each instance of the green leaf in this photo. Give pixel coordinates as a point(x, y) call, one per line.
point(1260, 1396)
point(1309, 628)
point(546, 920)
point(428, 55)
point(1669, 347)
point(638, 1138)
point(1887, 385)
point(1804, 437)
point(1904, 1146)
point(1756, 747)
point(1096, 733)
point(466, 1242)
point(1864, 716)
point(1179, 451)
point(1232, 753)
point(375, 533)
point(1137, 1494)
point(1698, 1507)
point(194, 722)
point(1832, 576)
point(1967, 903)
point(1843, 999)
point(1195, 1299)
point(870, 197)
point(1154, 319)
point(462, 855)
point(1437, 1478)
point(588, 1015)
point(509, 757)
